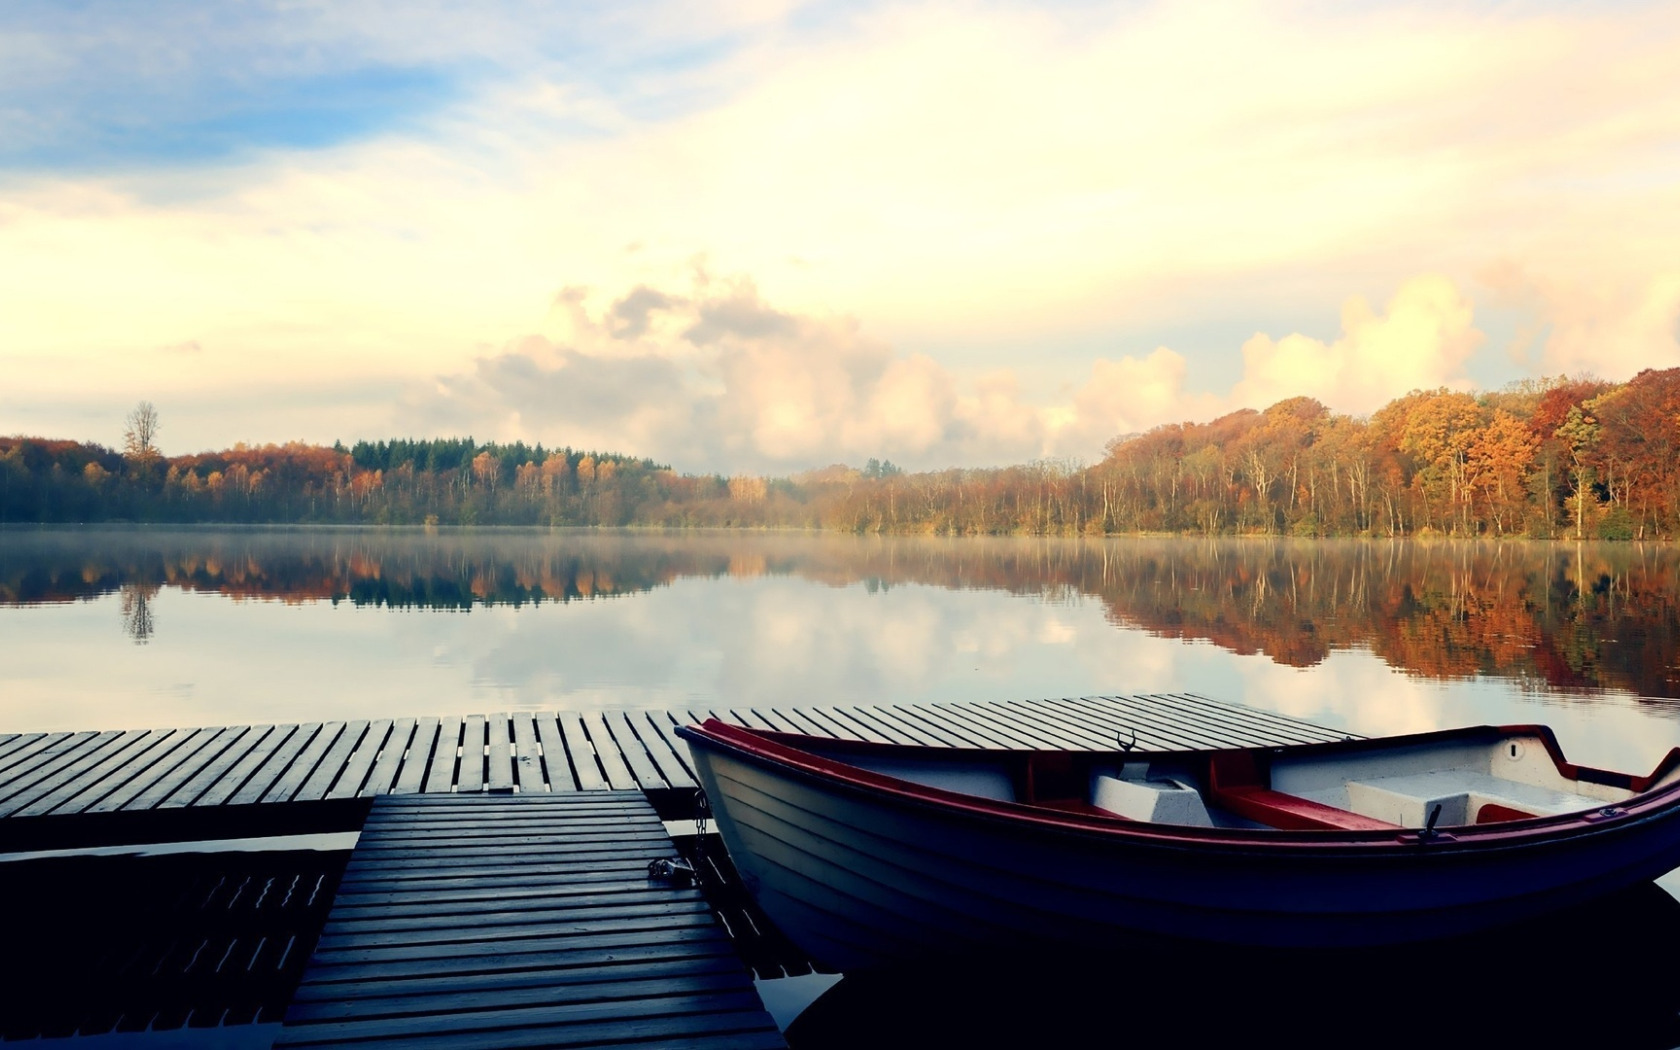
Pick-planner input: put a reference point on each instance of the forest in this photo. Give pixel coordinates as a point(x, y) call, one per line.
point(1569, 457)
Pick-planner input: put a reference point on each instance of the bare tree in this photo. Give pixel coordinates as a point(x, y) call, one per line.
point(140, 437)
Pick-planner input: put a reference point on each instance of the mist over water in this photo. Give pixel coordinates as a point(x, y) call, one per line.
point(113, 628)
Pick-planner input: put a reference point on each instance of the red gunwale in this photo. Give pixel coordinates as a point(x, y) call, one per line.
point(782, 750)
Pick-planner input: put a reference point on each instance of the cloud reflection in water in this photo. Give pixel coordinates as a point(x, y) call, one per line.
point(264, 625)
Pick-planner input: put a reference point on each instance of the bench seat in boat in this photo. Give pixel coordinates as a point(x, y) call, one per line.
point(1276, 809)
point(1156, 801)
point(1465, 797)
point(1237, 786)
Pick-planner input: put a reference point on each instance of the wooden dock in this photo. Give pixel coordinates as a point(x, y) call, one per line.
point(158, 770)
point(475, 921)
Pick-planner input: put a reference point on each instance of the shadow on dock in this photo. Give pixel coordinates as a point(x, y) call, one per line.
point(210, 944)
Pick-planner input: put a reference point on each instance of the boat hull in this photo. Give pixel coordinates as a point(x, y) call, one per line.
point(863, 878)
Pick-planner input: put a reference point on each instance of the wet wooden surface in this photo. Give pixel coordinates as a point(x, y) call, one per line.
point(482, 920)
point(568, 751)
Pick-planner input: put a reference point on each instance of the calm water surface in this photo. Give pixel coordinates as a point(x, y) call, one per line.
point(113, 628)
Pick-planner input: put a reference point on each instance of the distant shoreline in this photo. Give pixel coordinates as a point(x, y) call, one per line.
point(795, 530)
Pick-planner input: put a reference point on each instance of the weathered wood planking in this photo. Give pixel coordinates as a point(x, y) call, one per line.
point(567, 751)
point(520, 921)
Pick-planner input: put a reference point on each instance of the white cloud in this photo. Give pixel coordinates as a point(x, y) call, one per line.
point(710, 376)
point(1129, 396)
point(1423, 340)
point(1612, 328)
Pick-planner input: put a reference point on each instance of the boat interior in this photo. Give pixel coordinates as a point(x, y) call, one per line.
point(1438, 780)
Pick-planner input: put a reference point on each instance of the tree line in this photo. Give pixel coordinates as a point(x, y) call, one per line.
point(1565, 457)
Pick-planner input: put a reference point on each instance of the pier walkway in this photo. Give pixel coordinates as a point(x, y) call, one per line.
point(475, 921)
point(128, 771)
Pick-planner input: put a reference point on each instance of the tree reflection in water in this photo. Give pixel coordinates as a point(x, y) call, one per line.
point(137, 611)
point(1553, 616)
point(1599, 976)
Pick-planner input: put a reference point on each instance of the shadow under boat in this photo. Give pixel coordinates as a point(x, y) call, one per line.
point(1604, 974)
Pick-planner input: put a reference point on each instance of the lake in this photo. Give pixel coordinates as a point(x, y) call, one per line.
point(136, 627)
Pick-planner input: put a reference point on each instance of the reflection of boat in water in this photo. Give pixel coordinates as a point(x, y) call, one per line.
point(1600, 975)
point(871, 854)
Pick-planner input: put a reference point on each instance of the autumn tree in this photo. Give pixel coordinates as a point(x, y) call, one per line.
point(1639, 445)
point(1436, 428)
point(1497, 465)
point(1550, 481)
point(1579, 434)
point(140, 435)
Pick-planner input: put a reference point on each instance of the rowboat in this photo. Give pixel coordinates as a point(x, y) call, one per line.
point(869, 855)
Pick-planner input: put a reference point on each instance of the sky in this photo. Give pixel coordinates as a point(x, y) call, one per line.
point(767, 236)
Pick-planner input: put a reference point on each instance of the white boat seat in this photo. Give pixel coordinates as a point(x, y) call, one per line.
point(1155, 801)
point(1462, 795)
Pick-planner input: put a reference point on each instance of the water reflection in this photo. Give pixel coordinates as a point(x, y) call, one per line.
point(1578, 618)
point(1596, 976)
point(137, 611)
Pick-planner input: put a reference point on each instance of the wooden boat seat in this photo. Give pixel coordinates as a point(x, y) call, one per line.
point(1292, 812)
point(1235, 785)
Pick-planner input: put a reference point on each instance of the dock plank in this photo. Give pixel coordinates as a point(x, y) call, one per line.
point(470, 778)
point(414, 763)
point(982, 732)
point(498, 758)
point(619, 777)
point(395, 999)
point(274, 764)
point(173, 767)
point(109, 776)
point(1255, 717)
point(1061, 731)
point(916, 720)
point(412, 954)
point(188, 792)
point(827, 723)
point(1158, 732)
point(557, 764)
point(318, 765)
point(646, 726)
point(382, 778)
point(585, 762)
point(527, 759)
point(246, 780)
point(629, 745)
point(866, 725)
point(441, 777)
point(1161, 718)
point(21, 751)
point(60, 779)
point(1076, 725)
point(58, 753)
point(12, 741)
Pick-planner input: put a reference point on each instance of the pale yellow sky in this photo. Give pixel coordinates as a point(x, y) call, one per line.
point(942, 233)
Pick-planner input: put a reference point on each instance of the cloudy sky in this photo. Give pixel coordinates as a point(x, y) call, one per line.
point(770, 236)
